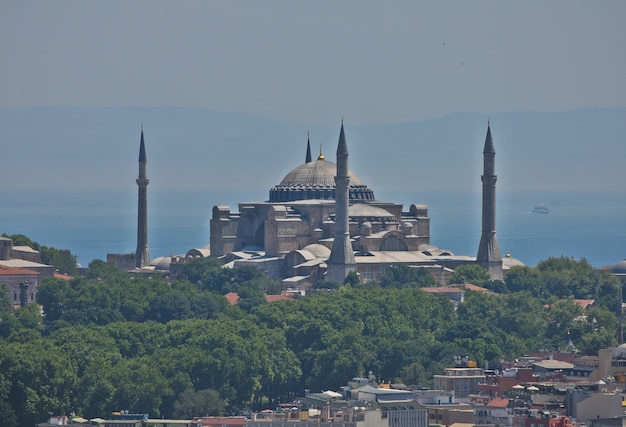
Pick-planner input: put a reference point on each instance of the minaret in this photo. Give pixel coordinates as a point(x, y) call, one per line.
point(489, 255)
point(341, 260)
point(308, 148)
point(142, 255)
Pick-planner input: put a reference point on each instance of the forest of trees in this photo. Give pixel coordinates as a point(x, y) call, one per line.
point(111, 340)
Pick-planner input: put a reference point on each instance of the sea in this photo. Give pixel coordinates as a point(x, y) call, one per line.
point(93, 223)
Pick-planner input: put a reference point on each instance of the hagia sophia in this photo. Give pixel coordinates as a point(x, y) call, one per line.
point(321, 222)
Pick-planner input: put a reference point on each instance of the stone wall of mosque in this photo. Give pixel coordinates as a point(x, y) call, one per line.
point(125, 262)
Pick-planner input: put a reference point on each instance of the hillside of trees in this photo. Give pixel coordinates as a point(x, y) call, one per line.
point(110, 340)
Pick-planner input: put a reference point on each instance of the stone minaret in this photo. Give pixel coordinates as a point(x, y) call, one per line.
point(341, 260)
point(489, 255)
point(142, 255)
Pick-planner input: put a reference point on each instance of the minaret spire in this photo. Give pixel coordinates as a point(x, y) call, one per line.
point(142, 254)
point(308, 148)
point(489, 255)
point(341, 260)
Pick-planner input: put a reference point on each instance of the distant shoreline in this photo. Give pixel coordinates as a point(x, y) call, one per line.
point(93, 223)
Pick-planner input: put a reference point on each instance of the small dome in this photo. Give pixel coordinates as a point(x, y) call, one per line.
point(366, 224)
point(620, 267)
point(620, 352)
point(319, 251)
point(198, 252)
point(161, 263)
point(434, 251)
point(509, 261)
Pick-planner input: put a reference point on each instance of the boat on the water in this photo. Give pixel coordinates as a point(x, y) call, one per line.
point(541, 209)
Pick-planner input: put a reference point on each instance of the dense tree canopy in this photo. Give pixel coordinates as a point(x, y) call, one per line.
point(558, 278)
point(115, 340)
point(469, 273)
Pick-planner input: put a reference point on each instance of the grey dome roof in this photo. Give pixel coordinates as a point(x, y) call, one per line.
point(316, 180)
point(319, 173)
point(319, 251)
point(620, 267)
point(369, 213)
point(161, 263)
point(509, 261)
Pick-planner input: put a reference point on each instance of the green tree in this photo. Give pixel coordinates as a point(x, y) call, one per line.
point(30, 317)
point(139, 386)
point(352, 279)
point(52, 295)
point(401, 276)
point(469, 273)
point(5, 299)
point(526, 279)
point(62, 259)
point(21, 240)
point(250, 297)
point(39, 377)
point(193, 403)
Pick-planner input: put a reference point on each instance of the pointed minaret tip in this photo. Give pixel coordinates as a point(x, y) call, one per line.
point(489, 146)
point(308, 148)
point(142, 147)
point(342, 146)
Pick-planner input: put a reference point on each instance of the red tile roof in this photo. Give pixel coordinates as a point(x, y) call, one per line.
point(221, 421)
point(273, 298)
point(584, 303)
point(62, 276)
point(232, 297)
point(14, 271)
point(470, 287)
point(498, 402)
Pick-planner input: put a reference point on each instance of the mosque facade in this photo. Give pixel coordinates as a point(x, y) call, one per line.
point(321, 222)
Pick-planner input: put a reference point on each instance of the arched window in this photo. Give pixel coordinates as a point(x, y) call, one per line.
point(393, 243)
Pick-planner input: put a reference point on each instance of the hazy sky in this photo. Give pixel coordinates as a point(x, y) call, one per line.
point(314, 61)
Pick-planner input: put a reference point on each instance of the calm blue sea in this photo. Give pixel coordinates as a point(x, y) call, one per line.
point(92, 224)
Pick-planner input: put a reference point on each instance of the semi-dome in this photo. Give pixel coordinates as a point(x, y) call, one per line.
point(316, 180)
point(319, 251)
point(361, 212)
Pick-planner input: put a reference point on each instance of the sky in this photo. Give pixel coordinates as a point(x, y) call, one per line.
point(372, 62)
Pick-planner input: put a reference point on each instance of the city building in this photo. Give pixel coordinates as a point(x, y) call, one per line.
point(21, 284)
point(463, 380)
point(21, 271)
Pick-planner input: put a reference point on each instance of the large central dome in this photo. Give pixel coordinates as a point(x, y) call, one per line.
point(316, 180)
point(320, 173)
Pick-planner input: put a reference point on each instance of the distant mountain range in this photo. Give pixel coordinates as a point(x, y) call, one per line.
point(97, 148)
